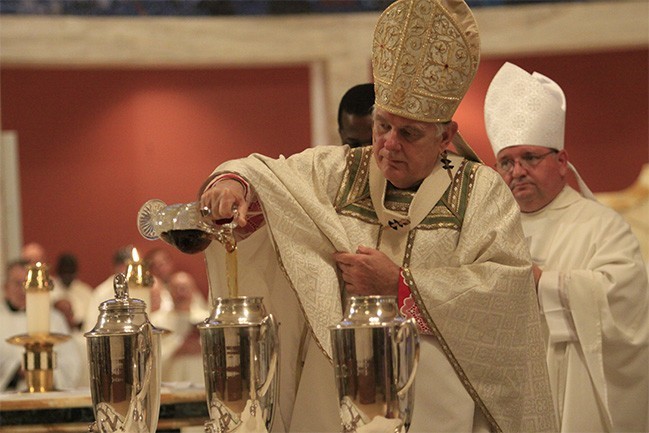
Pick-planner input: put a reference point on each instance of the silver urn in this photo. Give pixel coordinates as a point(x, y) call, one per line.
point(124, 361)
point(240, 348)
point(375, 356)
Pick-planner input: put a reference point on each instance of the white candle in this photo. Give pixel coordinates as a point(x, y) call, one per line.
point(38, 312)
point(37, 288)
point(143, 293)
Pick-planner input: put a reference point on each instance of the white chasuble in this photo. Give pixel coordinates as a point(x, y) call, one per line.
point(466, 263)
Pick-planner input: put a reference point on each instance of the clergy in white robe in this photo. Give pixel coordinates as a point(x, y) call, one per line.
point(181, 355)
point(70, 288)
point(591, 279)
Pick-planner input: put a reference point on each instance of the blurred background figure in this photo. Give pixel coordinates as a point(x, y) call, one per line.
point(105, 289)
point(13, 321)
point(160, 264)
point(633, 204)
point(71, 297)
point(33, 252)
point(67, 287)
point(355, 115)
point(181, 352)
point(163, 268)
point(178, 306)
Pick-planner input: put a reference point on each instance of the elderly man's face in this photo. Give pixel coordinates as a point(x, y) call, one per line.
point(14, 290)
point(536, 174)
point(407, 150)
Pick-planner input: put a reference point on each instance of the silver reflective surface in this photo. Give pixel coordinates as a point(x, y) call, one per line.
point(125, 381)
point(124, 361)
point(240, 355)
point(375, 355)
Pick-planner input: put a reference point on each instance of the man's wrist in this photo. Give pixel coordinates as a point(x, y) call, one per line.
point(230, 176)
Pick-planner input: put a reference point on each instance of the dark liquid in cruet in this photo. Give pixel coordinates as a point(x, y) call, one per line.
point(188, 241)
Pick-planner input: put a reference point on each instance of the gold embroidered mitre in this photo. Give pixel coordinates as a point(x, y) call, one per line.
point(424, 57)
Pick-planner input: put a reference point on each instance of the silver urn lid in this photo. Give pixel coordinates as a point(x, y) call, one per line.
point(122, 315)
point(240, 311)
point(374, 310)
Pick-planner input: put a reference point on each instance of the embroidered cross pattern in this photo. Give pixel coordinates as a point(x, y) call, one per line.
point(397, 224)
point(446, 163)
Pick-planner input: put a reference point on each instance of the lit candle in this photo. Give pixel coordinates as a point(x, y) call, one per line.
point(38, 286)
point(139, 280)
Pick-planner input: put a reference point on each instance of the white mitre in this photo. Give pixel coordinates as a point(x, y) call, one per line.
point(523, 109)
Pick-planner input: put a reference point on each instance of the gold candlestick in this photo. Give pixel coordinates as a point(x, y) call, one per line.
point(39, 359)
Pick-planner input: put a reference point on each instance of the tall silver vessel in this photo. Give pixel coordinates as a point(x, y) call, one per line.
point(240, 360)
point(375, 355)
point(124, 360)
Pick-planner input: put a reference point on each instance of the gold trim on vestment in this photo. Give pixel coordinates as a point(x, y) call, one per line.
point(407, 275)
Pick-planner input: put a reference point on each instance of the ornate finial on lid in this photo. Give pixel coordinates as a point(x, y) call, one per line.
point(121, 287)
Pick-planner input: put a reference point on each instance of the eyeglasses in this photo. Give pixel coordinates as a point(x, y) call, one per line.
point(528, 160)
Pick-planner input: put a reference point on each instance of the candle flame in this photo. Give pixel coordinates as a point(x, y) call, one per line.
point(135, 255)
point(137, 272)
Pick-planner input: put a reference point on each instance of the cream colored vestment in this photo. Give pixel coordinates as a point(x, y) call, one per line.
point(467, 264)
point(595, 296)
point(633, 204)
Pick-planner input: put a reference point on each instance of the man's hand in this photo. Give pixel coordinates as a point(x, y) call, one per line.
point(368, 272)
point(224, 196)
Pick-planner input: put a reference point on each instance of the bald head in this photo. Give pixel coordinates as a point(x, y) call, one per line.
point(33, 252)
point(182, 287)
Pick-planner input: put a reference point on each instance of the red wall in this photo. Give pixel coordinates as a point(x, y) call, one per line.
point(96, 144)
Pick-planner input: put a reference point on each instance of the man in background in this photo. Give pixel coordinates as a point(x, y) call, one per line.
point(355, 115)
point(181, 351)
point(69, 288)
point(163, 268)
point(105, 290)
point(591, 281)
point(33, 252)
